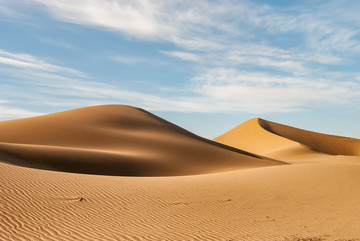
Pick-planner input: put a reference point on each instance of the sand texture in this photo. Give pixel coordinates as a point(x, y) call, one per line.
point(121, 173)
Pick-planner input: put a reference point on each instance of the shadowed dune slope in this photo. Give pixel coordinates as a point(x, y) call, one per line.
point(285, 143)
point(116, 140)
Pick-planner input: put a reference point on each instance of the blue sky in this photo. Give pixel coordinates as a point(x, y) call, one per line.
point(204, 65)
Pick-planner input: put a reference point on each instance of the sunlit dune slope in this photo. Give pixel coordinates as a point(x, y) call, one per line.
point(286, 202)
point(116, 140)
point(286, 143)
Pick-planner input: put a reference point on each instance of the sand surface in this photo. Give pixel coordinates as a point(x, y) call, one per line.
point(157, 181)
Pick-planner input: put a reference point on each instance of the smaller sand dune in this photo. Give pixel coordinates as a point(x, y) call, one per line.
point(288, 143)
point(116, 140)
point(329, 144)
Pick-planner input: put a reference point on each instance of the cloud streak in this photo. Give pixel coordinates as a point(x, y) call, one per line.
point(26, 61)
point(182, 55)
point(9, 112)
point(261, 93)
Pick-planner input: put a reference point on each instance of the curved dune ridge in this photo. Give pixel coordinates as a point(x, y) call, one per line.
point(116, 140)
point(286, 143)
point(329, 144)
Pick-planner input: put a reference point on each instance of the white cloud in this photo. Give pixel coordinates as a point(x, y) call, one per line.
point(131, 17)
point(6, 9)
point(213, 90)
point(57, 43)
point(127, 60)
point(213, 24)
point(84, 93)
point(329, 28)
point(236, 46)
point(279, 62)
point(52, 85)
point(182, 55)
point(7, 112)
point(261, 92)
point(188, 24)
point(26, 61)
point(223, 26)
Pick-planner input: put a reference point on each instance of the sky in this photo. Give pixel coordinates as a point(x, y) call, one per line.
point(204, 65)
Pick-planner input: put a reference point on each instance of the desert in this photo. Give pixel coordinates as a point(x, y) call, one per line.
point(182, 120)
point(116, 172)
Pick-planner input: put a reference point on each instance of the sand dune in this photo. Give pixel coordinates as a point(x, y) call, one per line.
point(289, 144)
point(329, 144)
point(116, 140)
point(169, 184)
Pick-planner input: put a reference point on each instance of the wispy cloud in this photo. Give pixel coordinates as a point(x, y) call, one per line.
point(53, 85)
point(249, 56)
point(6, 9)
point(8, 112)
point(131, 17)
point(220, 26)
point(186, 23)
point(213, 90)
point(26, 61)
point(182, 55)
point(57, 43)
point(127, 60)
point(212, 24)
point(261, 92)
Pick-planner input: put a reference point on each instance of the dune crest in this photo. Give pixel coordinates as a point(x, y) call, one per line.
point(116, 140)
point(287, 143)
point(329, 144)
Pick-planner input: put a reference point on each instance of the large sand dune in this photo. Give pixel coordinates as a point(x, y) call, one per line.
point(116, 140)
point(169, 184)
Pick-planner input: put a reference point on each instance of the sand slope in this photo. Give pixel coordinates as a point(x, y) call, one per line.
point(287, 202)
point(116, 140)
point(290, 144)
